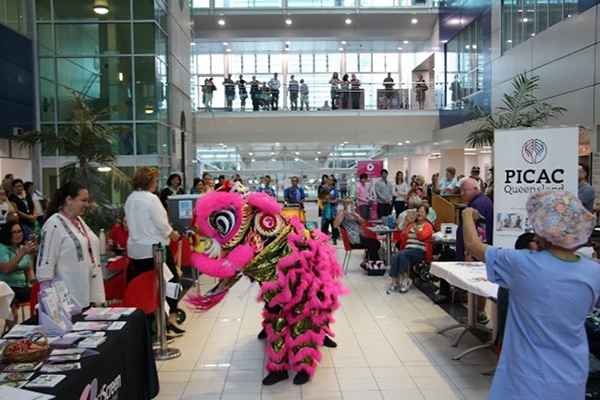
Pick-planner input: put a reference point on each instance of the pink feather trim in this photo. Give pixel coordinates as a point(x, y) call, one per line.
point(264, 203)
point(213, 202)
point(225, 267)
point(205, 303)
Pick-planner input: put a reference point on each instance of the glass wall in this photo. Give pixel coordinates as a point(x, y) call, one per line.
point(464, 74)
point(285, 4)
point(117, 60)
point(523, 19)
point(13, 13)
point(316, 69)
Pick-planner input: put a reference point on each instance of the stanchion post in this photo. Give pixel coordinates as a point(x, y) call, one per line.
point(163, 352)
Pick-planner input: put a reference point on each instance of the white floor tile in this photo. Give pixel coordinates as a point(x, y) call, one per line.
point(388, 348)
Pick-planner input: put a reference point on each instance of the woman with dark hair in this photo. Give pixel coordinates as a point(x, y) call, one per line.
point(173, 188)
point(400, 192)
point(69, 249)
point(198, 187)
point(16, 267)
point(323, 185)
point(23, 204)
point(39, 201)
point(148, 224)
point(345, 92)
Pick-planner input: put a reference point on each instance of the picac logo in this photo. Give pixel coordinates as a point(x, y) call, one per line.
point(534, 151)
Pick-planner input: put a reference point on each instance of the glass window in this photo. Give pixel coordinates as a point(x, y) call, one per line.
point(83, 10)
point(144, 38)
point(146, 137)
point(275, 63)
point(201, 3)
point(50, 181)
point(218, 64)
point(294, 65)
point(104, 82)
point(42, 10)
point(249, 64)
point(13, 13)
point(146, 88)
point(47, 87)
point(143, 9)
point(351, 62)
point(364, 62)
point(203, 63)
point(44, 42)
point(164, 141)
point(92, 39)
point(379, 62)
point(236, 65)
point(307, 63)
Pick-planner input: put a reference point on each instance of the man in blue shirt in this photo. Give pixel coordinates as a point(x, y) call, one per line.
point(449, 185)
point(267, 188)
point(294, 194)
point(293, 88)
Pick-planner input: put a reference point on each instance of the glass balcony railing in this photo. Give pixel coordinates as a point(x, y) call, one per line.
point(320, 97)
point(296, 4)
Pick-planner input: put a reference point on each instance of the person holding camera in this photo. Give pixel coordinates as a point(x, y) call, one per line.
point(351, 222)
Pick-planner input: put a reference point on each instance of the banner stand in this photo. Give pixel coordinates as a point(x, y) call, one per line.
point(163, 352)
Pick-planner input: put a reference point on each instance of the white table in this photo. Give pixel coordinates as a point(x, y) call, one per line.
point(472, 277)
point(6, 297)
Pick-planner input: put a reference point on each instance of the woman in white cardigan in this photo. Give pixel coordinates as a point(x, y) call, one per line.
point(69, 249)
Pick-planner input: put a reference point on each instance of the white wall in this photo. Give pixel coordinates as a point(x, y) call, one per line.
point(419, 165)
point(453, 158)
point(435, 165)
point(21, 169)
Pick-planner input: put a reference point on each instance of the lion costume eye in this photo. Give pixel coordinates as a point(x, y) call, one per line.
point(223, 221)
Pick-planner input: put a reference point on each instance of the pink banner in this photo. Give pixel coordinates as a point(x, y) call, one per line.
point(373, 171)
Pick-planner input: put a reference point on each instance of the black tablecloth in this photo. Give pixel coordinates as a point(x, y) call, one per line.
point(124, 369)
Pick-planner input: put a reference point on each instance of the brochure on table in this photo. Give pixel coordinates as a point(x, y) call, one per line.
point(56, 306)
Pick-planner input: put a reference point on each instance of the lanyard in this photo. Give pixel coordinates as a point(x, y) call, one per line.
point(84, 232)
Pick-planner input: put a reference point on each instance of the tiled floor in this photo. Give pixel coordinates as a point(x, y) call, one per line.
point(388, 349)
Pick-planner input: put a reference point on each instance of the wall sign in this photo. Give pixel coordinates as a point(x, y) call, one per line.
point(528, 161)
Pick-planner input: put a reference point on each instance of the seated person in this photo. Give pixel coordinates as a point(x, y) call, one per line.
point(117, 237)
point(415, 190)
point(415, 246)
point(413, 203)
point(16, 266)
point(431, 216)
point(14, 217)
point(351, 222)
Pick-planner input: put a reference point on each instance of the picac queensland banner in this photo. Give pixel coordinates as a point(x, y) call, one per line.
point(527, 161)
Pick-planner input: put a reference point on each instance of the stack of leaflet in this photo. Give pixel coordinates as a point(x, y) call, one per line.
point(56, 306)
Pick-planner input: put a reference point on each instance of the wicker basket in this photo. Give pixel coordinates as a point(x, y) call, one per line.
point(11, 354)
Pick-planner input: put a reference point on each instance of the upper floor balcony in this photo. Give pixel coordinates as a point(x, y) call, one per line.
point(206, 6)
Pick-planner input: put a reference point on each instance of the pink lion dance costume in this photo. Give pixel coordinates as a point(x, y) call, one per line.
point(240, 235)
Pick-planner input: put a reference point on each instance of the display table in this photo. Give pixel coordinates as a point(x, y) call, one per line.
point(388, 232)
point(124, 369)
point(6, 297)
point(472, 277)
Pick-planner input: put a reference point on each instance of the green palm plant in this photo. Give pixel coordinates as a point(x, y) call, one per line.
point(521, 108)
point(88, 137)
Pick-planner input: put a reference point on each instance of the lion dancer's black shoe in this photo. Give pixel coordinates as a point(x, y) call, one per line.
point(301, 378)
point(276, 376)
point(262, 334)
point(328, 342)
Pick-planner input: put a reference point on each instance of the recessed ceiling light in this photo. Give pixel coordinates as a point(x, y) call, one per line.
point(341, 49)
point(525, 19)
point(343, 42)
point(533, 34)
point(474, 46)
point(316, 159)
point(287, 48)
point(272, 153)
point(414, 21)
point(101, 7)
point(288, 21)
point(297, 153)
point(399, 48)
point(407, 141)
point(405, 42)
point(348, 21)
point(467, 47)
point(296, 159)
point(251, 154)
point(225, 44)
point(228, 50)
point(277, 143)
point(288, 43)
point(272, 159)
point(253, 160)
point(509, 41)
point(221, 22)
point(318, 152)
point(400, 143)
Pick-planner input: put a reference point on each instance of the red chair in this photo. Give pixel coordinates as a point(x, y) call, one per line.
point(142, 293)
point(114, 288)
point(367, 232)
point(348, 247)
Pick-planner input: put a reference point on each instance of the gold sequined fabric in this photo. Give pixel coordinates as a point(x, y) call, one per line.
point(263, 267)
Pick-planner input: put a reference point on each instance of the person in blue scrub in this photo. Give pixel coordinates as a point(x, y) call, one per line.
point(545, 351)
